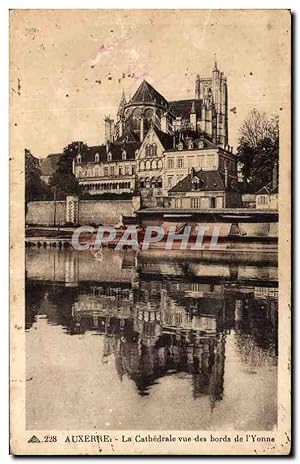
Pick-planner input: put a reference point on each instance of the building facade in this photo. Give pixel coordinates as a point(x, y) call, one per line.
point(205, 190)
point(107, 168)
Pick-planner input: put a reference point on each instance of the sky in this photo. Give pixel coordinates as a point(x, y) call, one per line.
point(68, 68)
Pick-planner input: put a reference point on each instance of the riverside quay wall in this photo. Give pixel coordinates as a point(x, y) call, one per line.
point(74, 211)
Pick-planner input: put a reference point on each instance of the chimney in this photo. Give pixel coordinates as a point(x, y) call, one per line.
point(107, 146)
point(174, 141)
point(226, 176)
point(193, 172)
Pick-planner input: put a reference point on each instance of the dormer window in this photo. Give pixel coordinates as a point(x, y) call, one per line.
point(109, 156)
point(97, 158)
point(200, 144)
point(124, 155)
point(78, 159)
point(190, 145)
point(180, 146)
point(195, 183)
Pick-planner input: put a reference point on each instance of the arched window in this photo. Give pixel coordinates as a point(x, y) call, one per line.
point(97, 158)
point(153, 182)
point(154, 165)
point(159, 164)
point(142, 166)
point(180, 146)
point(109, 156)
point(148, 150)
point(147, 182)
point(154, 149)
point(148, 165)
point(78, 159)
point(136, 119)
point(142, 182)
point(159, 182)
point(124, 155)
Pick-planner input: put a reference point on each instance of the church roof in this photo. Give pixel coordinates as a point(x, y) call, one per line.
point(183, 108)
point(148, 94)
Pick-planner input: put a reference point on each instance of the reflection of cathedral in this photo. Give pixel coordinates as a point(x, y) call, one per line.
point(154, 326)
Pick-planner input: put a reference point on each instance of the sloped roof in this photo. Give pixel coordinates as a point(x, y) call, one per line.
point(165, 139)
point(209, 181)
point(115, 149)
point(206, 143)
point(148, 94)
point(267, 189)
point(48, 165)
point(183, 108)
point(128, 136)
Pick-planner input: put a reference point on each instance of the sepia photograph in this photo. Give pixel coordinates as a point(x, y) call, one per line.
point(150, 158)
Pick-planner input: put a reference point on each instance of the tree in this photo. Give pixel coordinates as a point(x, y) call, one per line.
point(35, 187)
point(258, 150)
point(63, 178)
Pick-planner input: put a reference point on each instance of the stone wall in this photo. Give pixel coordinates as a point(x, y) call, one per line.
point(105, 211)
point(42, 213)
point(90, 212)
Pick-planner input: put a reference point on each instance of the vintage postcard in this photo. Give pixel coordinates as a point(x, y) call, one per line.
point(150, 179)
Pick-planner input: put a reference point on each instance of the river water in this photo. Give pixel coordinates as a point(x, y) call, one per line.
point(121, 340)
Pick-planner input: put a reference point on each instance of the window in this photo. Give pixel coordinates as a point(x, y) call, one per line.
point(190, 161)
point(180, 146)
point(148, 165)
point(97, 158)
point(106, 171)
point(132, 170)
point(124, 155)
point(262, 200)
point(154, 165)
point(112, 170)
point(178, 203)
point(212, 202)
point(180, 163)
point(120, 171)
point(147, 150)
point(200, 144)
point(97, 172)
point(210, 161)
point(170, 181)
point(195, 202)
point(195, 183)
point(201, 161)
point(170, 163)
point(142, 183)
point(190, 145)
point(126, 170)
point(159, 182)
point(154, 149)
point(79, 159)
point(109, 157)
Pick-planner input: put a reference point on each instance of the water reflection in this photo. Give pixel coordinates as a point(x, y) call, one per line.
point(161, 321)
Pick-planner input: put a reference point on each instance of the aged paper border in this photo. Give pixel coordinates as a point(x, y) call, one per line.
point(18, 433)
